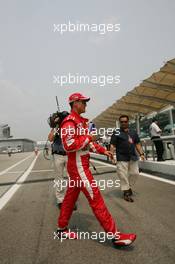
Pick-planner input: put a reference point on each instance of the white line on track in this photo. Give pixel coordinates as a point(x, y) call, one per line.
point(13, 172)
point(98, 166)
point(33, 171)
point(142, 174)
point(8, 195)
point(157, 178)
point(14, 165)
point(41, 171)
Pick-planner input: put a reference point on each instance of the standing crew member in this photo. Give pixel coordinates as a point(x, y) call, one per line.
point(9, 151)
point(125, 142)
point(155, 132)
point(77, 146)
point(36, 150)
point(60, 160)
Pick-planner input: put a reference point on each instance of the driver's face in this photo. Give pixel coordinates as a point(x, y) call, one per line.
point(81, 106)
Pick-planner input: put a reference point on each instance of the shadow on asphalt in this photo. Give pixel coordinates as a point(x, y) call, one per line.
point(85, 226)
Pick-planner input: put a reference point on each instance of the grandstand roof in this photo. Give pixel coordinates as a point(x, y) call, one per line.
point(153, 94)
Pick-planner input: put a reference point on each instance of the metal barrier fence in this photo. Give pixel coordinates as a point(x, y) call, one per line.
point(168, 143)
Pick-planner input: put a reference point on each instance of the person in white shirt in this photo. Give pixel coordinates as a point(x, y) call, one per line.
point(155, 132)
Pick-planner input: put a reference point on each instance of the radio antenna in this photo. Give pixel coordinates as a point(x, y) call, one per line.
point(57, 104)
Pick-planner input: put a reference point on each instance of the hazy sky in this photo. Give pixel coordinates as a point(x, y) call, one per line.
point(31, 53)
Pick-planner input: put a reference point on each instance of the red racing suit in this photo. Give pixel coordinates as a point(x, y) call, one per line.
point(76, 145)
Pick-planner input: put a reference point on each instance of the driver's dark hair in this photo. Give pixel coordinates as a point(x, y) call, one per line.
point(124, 116)
point(71, 104)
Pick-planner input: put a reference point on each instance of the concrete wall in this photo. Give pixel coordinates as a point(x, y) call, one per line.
point(160, 167)
point(167, 167)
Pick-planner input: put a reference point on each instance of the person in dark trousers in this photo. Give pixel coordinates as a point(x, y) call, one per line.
point(126, 143)
point(155, 132)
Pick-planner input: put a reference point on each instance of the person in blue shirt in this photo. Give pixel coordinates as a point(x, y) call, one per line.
point(127, 145)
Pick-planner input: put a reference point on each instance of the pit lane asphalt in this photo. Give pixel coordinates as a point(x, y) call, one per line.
point(29, 219)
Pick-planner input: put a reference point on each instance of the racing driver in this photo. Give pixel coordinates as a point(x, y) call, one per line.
point(77, 146)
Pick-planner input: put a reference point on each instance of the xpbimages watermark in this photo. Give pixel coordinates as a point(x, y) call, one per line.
point(102, 184)
point(101, 29)
point(101, 132)
point(101, 80)
point(101, 236)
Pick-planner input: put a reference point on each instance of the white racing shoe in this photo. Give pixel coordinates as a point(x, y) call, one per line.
point(123, 239)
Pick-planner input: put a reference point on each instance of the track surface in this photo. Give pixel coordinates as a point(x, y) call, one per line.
point(28, 220)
